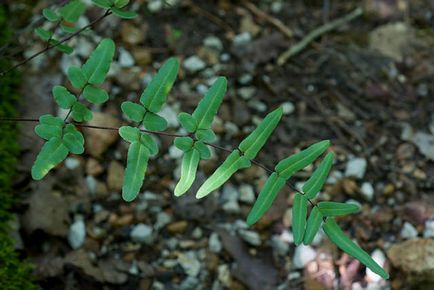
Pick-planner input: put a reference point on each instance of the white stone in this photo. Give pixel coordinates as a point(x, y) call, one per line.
point(379, 257)
point(175, 152)
point(367, 190)
point(302, 256)
point(408, 231)
point(334, 177)
point(224, 275)
point(162, 220)
point(280, 247)
point(141, 233)
point(213, 42)
point(231, 207)
point(189, 263)
point(356, 167)
point(246, 92)
point(242, 39)
point(72, 163)
point(168, 113)
point(125, 58)
point(77, 234)
point(155, 6)
point(229, 193)
point(91, 183)
point(429, 229)
point(288, 108)
point(214, 243)
point(194, 64)
point(250, 237)
point(247, 194)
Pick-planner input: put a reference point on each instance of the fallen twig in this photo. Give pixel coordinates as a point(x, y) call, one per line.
point(299, 46)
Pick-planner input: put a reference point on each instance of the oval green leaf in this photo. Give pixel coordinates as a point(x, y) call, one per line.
point(206, 135)
point(98, 64)
point(150, 143)
point(76, 77)
point(129, 134)
point(188, 122)
point(133, 111)
point(203, 149)
point(63, 97)
point(80, 113)
point(124, 14)
point(184, 143)
point(72, 11)
point(95, 95)
point(52, 153)
point(50, 15)
point(154, 122)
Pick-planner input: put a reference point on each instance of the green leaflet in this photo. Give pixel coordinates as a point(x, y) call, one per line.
point(316, 181)
point(50, 15)
point(299, 213)
point(72, 11)
point(103, 3)
point(121, 3)
point(95, 95)
point(154, 96)
point(80, 113)
point(98, 64)
point(188, 122)
point(73, 139)
point(63, 97)
point(266, 197)
point(203, 149)
point(209, 105)
point(124, 14)
point(251, 145)
point(43, 34)
point(69, 28)
point(154, 122)
point(313, 223)
point(49, 127)
point(184, 143)
point(190, 162)
point(129, 134)
point(51, 120)
point(329, 208)
point(137, 163)
point(288, 166)
point(232, 164)
point(76, 77)
point(52, 153)
point(150, 143)
point(62, 47)
point(338, 237)
point(206, 135)
point(134, 112)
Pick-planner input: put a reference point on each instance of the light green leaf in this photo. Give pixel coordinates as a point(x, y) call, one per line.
point(51, 120)
point(338, 237)
point(288, 166)
point(190, 162)
point(50, 15)
point(137, 163)
point(203, 149)
point(72, 11)
point(95, 95)
point(184, 143)
point(206, 135)
point(129, 134)
point(150, 143)
point(80, 113)
point(124, 14)
point(266, 197)
point(329, 208)
point(209, 105)
point(154, 122)
point(188, 122)
point(316, 181)
point(103, 3)
point(134, 112)
point(154, 96)
point(48, 131)
point(313, 223)
point(76, 77)
point(73, 144)
point(254, 142)
point(63, 97)
point(98, 64)
point(52, 153)
point(232, 164)
point(43, 34)
point(299, 213)
point(121, 3)
point(71, 129)
point(69, 28)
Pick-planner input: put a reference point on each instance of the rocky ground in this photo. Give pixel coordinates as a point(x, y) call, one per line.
point(367, 86)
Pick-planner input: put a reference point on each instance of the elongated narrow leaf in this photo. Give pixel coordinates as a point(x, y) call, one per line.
point(76, 77)
point(129, 134)
point(150, 143)
point(184, 143)
point(155, 94)
point(95, 95)
point(190, 162)
point(209, 105)
point(299, 213)
point(266, 197)
point(330, 208)
point(103, 3)
point(98, 64)
point(313, 224)
point(338, 237)
point(43, 34)
point(288, 166)
point(52, 153)
point(137, 163)
point(124, 14)
point(316, 181)
point(72, 11)
point(251, 145)
point(154, 122)
point(80, 113)
point(188, 122)
point(232, 164)
point(50, 15)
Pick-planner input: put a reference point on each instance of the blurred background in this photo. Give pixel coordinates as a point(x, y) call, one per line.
point(367, 85)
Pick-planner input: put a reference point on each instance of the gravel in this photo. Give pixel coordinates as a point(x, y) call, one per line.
point(142, 233)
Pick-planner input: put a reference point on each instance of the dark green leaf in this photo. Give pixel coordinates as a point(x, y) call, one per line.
point(313, 223)
point(103, 3)
point(129, 134)
point(203, 149)
point(48, 131)
point(51, 120)
point(69, 28)
point(63, 97)
point(73, 144)
point(288, 166)
point(266, 197)
point(98, 64)
point(43, 34)
point(50, 15)
point(329, 208)
point(190, 162)
point(206, 135)
point(150, 143)
point(316, 181)
point(154, 96)
point(299, 213)
point(52, 153)
point(134, 112)
point(95, 95)
point(63, 47)
point(338, 237)
point(124, 14)
point(184, 143)
point(76, 77)
point(121, 3)
point(137, 163)
point(154, 122)
point(80, 113)
point(72, 11)
point(251, 145)
point(188, 122)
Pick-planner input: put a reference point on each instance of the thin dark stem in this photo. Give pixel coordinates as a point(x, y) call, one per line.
point(107, 13)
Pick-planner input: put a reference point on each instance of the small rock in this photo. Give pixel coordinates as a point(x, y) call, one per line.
point(168, 113)
point(288, 108)
point(247, 194)
point(77, 234)
point(72, 163)
point(142, 55)
point(162, 220)
point(125, 58)
point(246, 92)
point(177, 227)
point(194, 64)
point(98, 141)
point(303, 255)
point(356, 167)
point(93, 167)
point(224, 275)
point(91, 183)
point(115, 176)
point(250, 237)
point(142, 233)
point(279, 246)
point(408, 231)
point(257, 105)
point(248, 25)
point(229, 193)
point(213, 42)
point(214, 243)
point(231, 129)
point(155, 6)
point(429, 229)
point(231, 207)
point(242, 39)
point(189, 263)
point(367, 190)
point(175, 152)
point(245, 79)
point(379, 257)
point(131, 34)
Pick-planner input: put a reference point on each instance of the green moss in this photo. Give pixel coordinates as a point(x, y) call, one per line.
point(14, 273)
